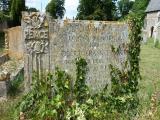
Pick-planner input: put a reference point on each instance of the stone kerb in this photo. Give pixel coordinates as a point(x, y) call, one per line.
point(51, 43)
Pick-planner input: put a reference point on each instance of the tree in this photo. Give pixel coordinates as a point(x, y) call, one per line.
point(16, 8)
point(96, 9)
point(140, 6)
point(5, 6)
point(56, 8)
point(31, 9)
point(124, 6)
point(3, 17)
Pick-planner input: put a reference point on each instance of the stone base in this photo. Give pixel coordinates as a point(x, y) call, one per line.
point(3, 89)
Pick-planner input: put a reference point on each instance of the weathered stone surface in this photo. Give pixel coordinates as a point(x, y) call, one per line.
point(11, 68)
point(3, 89)
point(3, 58)
point(4, 75)
point(36, 37)
point(60, 43)
point(15, 43)
point(8, 72)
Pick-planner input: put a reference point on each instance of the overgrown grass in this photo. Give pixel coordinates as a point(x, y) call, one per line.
point(157, 44)
point(7, 108)
point(150, 69)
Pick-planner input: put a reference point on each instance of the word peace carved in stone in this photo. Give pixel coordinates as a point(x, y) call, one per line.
point(36, 34)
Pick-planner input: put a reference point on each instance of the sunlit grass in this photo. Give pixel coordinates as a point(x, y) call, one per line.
point(150, 72)
point(150, 68)
point(7, 109)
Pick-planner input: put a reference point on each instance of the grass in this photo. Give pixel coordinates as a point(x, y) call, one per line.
point(150, 84)
point(150, 69)
point(7, 108)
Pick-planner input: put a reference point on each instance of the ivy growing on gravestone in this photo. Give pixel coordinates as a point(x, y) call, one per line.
point(55, 97)
point(125, 83)
point(135, 25)
point(80, 85)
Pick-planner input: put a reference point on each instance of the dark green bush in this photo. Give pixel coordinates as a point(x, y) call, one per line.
point(2, 40)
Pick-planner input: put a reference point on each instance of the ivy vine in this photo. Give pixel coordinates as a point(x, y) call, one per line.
point(124, 83)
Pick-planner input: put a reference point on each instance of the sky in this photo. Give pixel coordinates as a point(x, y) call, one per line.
point(70, 6)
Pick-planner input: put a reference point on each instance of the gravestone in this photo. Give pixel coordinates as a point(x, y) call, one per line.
point(51, 43)
point(156, 33)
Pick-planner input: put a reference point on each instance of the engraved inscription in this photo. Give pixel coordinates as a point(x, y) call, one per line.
point(57, 43)
point(93, 43)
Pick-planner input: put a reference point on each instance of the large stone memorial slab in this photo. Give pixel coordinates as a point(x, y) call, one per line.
point(53, 43)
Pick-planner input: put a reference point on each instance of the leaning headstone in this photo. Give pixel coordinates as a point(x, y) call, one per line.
point(51, 43)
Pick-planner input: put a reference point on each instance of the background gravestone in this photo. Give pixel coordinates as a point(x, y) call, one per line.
point(68, 40)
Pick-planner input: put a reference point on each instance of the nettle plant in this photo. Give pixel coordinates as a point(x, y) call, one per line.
point(58, 97)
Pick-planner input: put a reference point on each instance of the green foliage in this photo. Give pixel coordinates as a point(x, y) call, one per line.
point(2, 40)
point(5, 5)
point(135, 24)
point(124, 82)
point(80, 85)
point(124, 6)
point(54, 97)
point(15, 85)
point(95, 109)
point(122, 99)
point(150, 83)
point(139, 7)
point(3, 17)
point(157, 44)
point(96, 9)
point(16, 8)
point(31, 9)
point(56, 8)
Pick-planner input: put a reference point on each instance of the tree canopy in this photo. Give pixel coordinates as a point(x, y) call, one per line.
point(124, 6)
point(31, 9)
point(5, 6)
point(17, 7)
point(96, 9)
point(56, 8)
point(140, 6)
